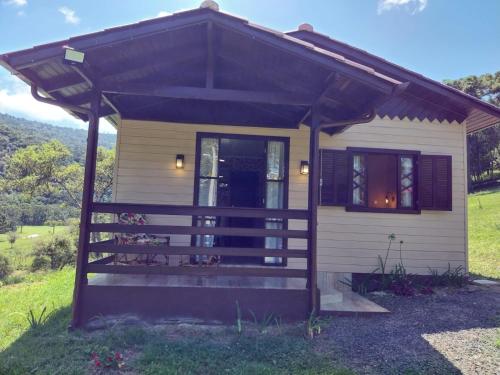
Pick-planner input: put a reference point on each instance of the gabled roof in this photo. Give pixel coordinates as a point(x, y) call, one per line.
point(431, 93)
point(174, 51)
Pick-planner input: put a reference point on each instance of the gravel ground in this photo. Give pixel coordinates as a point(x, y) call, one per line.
point(450, 332)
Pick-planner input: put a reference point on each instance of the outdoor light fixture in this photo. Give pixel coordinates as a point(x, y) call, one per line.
point(179, 161)
point(304, 167)
point(72, 56)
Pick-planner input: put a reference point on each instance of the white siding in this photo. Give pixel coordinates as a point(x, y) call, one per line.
point(347, 241)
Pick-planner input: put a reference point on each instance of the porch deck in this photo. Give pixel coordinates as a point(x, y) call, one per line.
point(333, 301)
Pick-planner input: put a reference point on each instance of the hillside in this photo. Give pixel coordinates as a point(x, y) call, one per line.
point(17, 133)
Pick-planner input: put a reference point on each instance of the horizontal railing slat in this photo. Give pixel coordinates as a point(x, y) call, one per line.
point(116, 208)
point(106, 247)
point(188, 230)
point(198, 271)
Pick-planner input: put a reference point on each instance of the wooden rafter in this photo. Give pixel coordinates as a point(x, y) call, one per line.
point(200, 93)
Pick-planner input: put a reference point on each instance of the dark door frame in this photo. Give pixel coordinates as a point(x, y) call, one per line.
point(265, 138)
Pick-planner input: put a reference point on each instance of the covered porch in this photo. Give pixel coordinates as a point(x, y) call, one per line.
point(206, 68)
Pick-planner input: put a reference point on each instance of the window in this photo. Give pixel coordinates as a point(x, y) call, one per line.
point(379, 180)
point(383, 180)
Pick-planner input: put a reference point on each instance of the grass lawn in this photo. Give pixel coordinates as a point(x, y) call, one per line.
point(20, 253)
point(51, 349)
point(484, 234)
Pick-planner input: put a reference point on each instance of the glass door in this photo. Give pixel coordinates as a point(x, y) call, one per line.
point(241, 171)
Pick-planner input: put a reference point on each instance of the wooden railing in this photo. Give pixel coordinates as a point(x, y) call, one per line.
point(105, 247)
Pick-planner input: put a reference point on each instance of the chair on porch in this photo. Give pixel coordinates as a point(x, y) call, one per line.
point(139, 239)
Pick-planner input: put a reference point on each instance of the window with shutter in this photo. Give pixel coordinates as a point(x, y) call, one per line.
point(334, 172)
point(435, 182)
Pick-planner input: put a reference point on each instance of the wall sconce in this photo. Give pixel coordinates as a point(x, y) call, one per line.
point(304, 167)
point(179, 161)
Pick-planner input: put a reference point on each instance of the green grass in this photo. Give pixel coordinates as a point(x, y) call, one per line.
point(484, 234)
point(52, 349)
point(20, 253)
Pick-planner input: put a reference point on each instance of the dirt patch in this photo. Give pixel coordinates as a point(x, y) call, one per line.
point(450, 332)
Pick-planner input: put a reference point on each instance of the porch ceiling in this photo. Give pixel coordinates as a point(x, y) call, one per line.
point(204, 66)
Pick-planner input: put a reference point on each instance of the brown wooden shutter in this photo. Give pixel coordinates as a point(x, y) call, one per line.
point(334, 172)
point(435, 182)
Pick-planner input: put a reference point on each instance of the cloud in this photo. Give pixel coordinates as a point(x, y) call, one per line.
point(163, 13)
point(411, 6)
point(69, 15)
point(17, 3)
point(16, 99)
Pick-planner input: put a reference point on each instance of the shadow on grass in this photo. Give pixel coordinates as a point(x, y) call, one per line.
point(51, 349)
point(48, 349)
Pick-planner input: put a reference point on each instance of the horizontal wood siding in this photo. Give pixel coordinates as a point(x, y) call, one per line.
point(351, 241)
point(347, 241)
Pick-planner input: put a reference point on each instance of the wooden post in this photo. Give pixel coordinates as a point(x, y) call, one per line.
point(86, 213)
point(313, 191)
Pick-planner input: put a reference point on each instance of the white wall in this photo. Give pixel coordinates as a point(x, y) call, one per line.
point(347, 241)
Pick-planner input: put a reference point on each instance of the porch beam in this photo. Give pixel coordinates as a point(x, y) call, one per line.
point(312, 203)
point(86, 212)
point(87, 74)
point(210, 94)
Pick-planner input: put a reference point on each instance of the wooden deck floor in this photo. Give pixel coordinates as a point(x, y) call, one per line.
point(198, 281)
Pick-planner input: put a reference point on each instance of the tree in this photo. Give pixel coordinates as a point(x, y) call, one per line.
point(46, 170)
point(6, 225)
point(12, 237)
point(484, 145)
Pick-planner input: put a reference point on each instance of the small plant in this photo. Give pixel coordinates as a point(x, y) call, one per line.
point(313, 327)
point(36, 322)
point(479, 204)
point(455, 277)
point(12, 237)
point(401, 281)
point(107, 360)
point(266, 321)
point(5, 267)
point(239, 324)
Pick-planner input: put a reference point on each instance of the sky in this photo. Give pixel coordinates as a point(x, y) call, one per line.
point(441, 39)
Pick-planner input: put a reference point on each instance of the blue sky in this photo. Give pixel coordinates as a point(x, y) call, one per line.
point(437, 38)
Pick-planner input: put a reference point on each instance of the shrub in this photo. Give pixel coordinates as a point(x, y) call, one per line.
point(40, 262)
point(5, 267)
point(59, 251)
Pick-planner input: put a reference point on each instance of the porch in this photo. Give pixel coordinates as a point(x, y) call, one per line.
point(193, 288)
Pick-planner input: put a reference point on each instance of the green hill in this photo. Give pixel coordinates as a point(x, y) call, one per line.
point(17, 133)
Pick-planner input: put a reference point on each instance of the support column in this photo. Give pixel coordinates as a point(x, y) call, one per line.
point(313, 195)
point(86, 213)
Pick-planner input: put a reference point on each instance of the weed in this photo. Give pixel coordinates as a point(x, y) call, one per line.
point(239, 325)
point(263, 324)
point(313, 326)
point(36, 322)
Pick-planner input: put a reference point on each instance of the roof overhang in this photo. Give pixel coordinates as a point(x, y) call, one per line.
point(204, 66)
point(424, 98)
